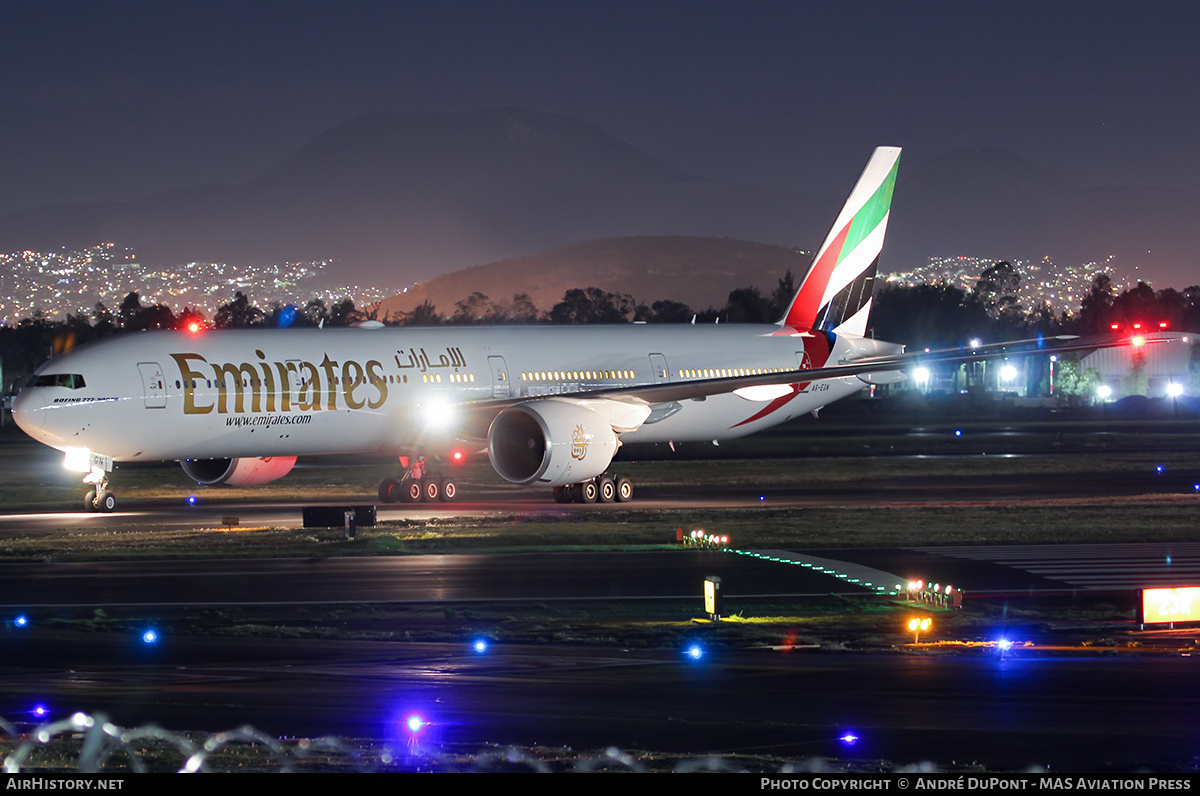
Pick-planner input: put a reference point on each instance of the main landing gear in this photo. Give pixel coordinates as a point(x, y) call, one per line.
point(98, 498)
point(416, 485)
point(601, 489)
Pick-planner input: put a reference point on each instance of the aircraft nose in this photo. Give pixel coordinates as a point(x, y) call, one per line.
point(28, 411)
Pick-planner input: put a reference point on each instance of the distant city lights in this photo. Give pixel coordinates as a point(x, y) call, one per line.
point(59, 283)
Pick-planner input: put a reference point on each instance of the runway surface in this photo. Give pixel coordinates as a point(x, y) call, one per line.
point(542, 577)
point(1059, 488)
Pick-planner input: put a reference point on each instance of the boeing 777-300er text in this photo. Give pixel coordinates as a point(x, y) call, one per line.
point(551, 404)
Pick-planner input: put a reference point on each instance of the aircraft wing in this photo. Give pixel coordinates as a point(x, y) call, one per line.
point(702, 388)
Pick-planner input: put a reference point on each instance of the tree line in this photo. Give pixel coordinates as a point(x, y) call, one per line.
point(944, 316)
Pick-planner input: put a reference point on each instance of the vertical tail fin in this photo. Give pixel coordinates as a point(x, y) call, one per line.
point(836, 291)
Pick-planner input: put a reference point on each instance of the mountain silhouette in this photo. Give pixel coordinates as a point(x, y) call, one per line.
point(397, 198)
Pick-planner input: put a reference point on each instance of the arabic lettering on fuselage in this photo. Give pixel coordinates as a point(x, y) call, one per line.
point(417, 358)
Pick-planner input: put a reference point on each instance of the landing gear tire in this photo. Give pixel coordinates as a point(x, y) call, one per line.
point(449, 490)
point(586, 492)
point(624, 490)
point(430, 491)
point(607, 489)
point(562, 494)
point(106, 502)
point(387, 490)
point(410, 492)
point(89, 501)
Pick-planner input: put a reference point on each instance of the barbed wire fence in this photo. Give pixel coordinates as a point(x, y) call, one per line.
point(91, 744)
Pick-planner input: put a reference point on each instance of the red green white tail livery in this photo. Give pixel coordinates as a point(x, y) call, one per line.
point(836, 292)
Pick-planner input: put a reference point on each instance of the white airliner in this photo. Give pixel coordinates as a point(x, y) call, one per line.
point(552, 404)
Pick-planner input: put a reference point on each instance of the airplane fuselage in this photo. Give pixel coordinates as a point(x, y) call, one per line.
point(256, 393)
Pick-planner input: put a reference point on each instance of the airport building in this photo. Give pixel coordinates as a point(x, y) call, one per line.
point(1160, 367)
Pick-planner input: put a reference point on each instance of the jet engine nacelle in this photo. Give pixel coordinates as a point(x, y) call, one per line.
point(238, 472)
point(551, 442)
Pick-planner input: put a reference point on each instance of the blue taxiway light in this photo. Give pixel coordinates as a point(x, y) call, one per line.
point(150, 637)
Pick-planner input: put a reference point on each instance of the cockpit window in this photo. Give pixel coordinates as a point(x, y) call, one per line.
point(72, 381)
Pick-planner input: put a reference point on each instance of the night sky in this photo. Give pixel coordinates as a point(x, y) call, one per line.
point(118, 100)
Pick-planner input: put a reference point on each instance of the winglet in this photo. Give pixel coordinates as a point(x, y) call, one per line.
point(836, 291)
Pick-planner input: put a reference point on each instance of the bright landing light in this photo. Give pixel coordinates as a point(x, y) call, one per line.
point(763, 392)
point(77, 460)
point(437, 414)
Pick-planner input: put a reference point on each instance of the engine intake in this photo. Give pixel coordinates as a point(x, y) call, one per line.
point(238, 472)
point(551, 442)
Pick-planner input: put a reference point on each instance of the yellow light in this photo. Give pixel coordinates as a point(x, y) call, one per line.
point(1170, 605)
point(1139, 340)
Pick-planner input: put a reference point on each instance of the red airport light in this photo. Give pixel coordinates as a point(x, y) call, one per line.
point(1138, 325)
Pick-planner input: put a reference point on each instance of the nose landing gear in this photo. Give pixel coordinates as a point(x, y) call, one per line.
point(99, 498)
